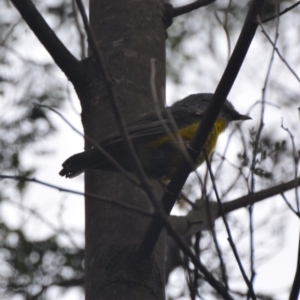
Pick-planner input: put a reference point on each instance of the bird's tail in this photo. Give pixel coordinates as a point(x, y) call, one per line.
point(80, 162)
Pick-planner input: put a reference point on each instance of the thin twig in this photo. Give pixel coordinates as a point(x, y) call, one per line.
point(295, 290)
point(166, 223)
point(178, 11)
point(95, 144)
point(252, 257)
point(69, 98)
point(289, 205)
point(61, 55)
point(148, 189)
point(95, 197)
point(189, 278)
point(225, 26)
point(197, 253)
point(237, 127)
point(46, 222)
point(175, 135)
point(187, 251)
point(116, 110)
point(296, 162)
point(183, 170)
point(219, 168)
point(187, 200)
point(230, 239)
point(232, 185)
point(255, 152)
point(281, 13)
point(244, 201)
point(80, 31)
point(215, 239)
point(108, 83)
point(277, 50)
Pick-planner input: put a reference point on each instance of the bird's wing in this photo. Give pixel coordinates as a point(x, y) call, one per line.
point(150, 124)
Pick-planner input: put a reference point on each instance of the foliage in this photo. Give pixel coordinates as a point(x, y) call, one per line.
point(30, 268)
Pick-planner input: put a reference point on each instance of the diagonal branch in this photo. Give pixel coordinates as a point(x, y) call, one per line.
point(230, 239)
point(295, 291)
point(181, 243)
point(60, 54)
point(225, 84)
point(95, 144)
point(195, 260)
point(196, 220)
point(280, 13)
point(277, 50)
point(259, 196)
point(289, 205)
point(178, 11)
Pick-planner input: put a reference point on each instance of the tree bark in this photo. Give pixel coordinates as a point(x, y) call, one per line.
point(129, 33)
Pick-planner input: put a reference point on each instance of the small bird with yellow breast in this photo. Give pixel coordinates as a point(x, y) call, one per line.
point(154, 139)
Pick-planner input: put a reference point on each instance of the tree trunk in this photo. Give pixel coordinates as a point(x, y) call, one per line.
point(129, 33)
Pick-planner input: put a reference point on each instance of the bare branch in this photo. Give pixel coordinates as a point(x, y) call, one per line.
point(202, 217)
point(225, 26)
point(210, 279)
point(95, 144)
point(255, 151)
point(196, 273)
point(174, 136)
point(215, 239)
point(295, 291)
point(296, 161)
point(187, 251)
point(230, 239)
point(60, 54)
point(178, 11)
point(60, 230)
point(225, 84)
point(95, 197)
point(197, 219)
point(289, 205)
point(80, 31)
point(281, 13)
point(259, 196)
point(277, 51)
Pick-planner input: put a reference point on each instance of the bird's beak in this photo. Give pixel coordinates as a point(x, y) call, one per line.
point(244, 118)
point(238, 117)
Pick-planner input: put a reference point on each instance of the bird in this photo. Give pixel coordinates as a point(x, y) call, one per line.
point(155, 139)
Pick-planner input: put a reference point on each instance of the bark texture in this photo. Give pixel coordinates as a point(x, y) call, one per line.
point(129, 33)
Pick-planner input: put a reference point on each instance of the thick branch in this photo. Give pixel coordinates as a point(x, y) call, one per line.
point(259, 196)
point(195, 260)
point(60, 54)
point(197, 219)
point(197, 143)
